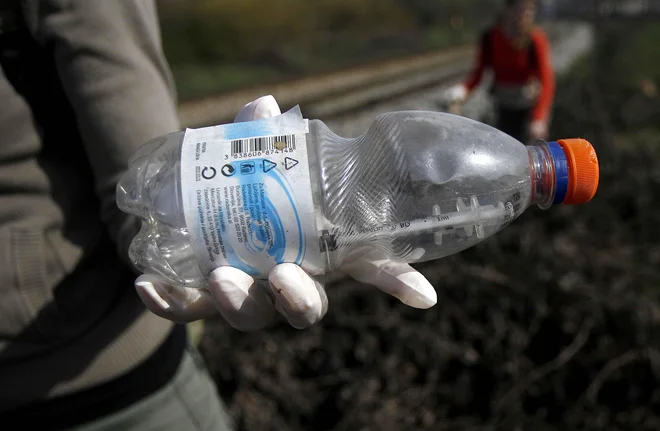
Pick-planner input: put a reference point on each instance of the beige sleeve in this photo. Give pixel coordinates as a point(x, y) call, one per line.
point(110, 60)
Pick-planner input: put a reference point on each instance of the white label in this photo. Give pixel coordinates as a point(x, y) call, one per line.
point(247, 194)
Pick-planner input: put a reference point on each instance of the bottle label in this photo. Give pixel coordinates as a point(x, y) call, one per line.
point(247, 194)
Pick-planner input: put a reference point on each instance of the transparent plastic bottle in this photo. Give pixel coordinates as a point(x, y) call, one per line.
point(416, 186)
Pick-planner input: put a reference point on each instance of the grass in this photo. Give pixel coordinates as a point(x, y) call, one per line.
point(195, 81)
point(220, 45)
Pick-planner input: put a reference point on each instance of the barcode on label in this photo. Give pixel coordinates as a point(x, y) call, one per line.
point(267, 143)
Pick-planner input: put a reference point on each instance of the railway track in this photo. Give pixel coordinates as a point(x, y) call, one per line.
point(343, 93)
point(333, 92)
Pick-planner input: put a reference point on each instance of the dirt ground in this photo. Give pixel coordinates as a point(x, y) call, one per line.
point(550, 325)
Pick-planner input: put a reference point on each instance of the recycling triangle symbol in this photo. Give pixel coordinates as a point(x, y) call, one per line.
point(268, 165)
point(289, 163)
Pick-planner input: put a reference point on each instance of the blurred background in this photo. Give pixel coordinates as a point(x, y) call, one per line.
point(550, 325)
point(216, 45)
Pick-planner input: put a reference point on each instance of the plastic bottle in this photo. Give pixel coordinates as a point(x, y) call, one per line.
point(415, 186)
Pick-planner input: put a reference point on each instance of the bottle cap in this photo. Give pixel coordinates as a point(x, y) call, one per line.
point(583, 170)
point(576, 171)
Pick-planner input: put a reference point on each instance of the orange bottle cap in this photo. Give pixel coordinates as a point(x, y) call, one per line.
point(583, 170)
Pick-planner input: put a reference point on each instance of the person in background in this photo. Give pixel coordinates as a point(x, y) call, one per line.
point(523, 89)
point(84, 83)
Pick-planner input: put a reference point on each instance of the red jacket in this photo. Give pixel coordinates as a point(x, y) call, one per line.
point(517, 66)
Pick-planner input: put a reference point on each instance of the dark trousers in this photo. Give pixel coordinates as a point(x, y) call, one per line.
point(514, 122)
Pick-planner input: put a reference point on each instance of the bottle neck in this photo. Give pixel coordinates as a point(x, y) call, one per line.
point(549, 174)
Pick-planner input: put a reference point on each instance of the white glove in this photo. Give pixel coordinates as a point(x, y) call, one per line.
point(538, 129)
point(456, 93)
point(249, 305)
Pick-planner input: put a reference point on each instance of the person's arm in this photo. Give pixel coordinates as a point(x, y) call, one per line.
point(112, 68)
point(482, 62)
point(546, 77)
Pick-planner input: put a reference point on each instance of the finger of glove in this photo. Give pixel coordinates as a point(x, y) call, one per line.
point(394, 278)
point(178, 304)
point(456, 93)
point(263, 107)
point(297, 296)
point(241, 301)
point(539, 128)
point(538, 132)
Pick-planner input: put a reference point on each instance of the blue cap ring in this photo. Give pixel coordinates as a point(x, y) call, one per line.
point(561, 171)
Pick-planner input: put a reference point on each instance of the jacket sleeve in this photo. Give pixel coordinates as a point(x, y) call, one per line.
point(477, 73)
point(546, 76)
point(110, 61)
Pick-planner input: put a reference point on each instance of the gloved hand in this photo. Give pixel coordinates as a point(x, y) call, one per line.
point(456, 93)
point(248, 305)
point(538, 129)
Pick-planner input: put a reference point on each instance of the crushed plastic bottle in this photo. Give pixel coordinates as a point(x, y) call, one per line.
point(416, 186)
